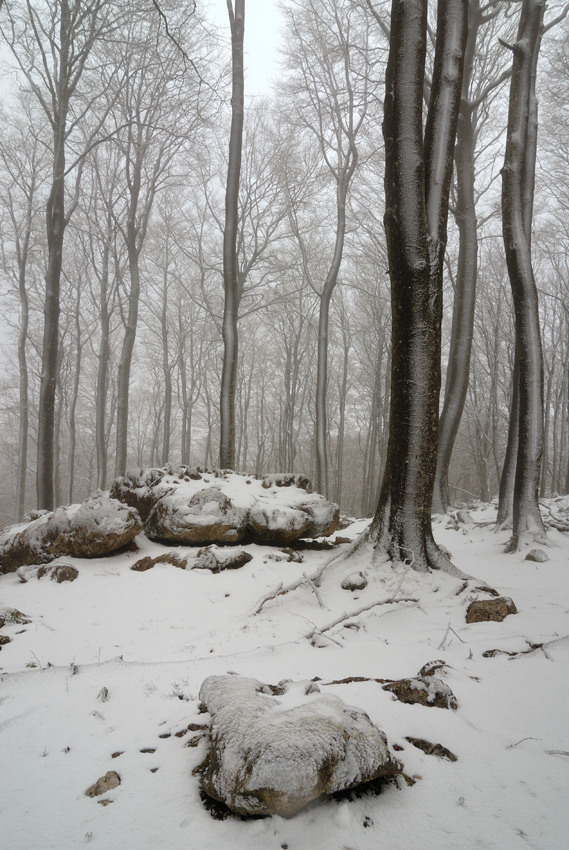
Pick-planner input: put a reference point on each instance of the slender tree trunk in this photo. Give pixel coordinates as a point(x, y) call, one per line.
point(230, 258)
point(103, 367)
point(458, 369)
point(166, 368)
point(74, 397)
point(518, 177)
point(417, 184)
point(123, 383)
point(22, 254)
point(55, 225)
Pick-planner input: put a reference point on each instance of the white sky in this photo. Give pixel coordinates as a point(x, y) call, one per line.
point(262, 22)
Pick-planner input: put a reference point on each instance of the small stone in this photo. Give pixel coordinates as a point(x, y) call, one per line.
point(355, 581)
point(148, 750)
point(4, 639)
point(144, 564)
point(105, 802)
point(432, 749)
point(490, 610)
point(64, 572)
point(216, 561)
point(105, 783)
point(537, 555)
point(117, 754)
point(339, 540)
point(463, 517)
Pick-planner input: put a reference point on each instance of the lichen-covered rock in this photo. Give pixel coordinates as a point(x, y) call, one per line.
point(93, 529)
point(275, 754)
point(207, 506)
point(12, 616)
point(490, 610)
point(59, 573)
point(166, 558)
point(105, 783)
point(423, 690)
point(218, 560)
point(278, 525)
point(206, 517)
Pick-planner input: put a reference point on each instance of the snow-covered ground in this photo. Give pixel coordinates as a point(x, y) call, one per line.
point(151, 638)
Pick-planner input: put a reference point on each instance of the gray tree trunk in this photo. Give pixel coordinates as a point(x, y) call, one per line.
point(230, 258)
point(518, 176)
point(417, 183)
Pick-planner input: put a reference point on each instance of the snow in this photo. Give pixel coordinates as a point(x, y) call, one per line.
point(152, 639)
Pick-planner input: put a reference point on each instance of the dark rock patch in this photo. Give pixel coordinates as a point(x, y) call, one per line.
point(490, 610)
point(432, 749)
point(423, 690)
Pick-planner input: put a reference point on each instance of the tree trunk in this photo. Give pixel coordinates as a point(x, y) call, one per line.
point(103, 367)
point(230, 259)
point(74, 396)
point(518, 176)
point(417, 183)
point(458, 369)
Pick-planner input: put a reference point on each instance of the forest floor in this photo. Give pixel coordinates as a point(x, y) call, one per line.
point(151, 638)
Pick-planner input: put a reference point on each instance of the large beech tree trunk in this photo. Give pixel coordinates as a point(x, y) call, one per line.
point(518, 175)
point(230, 259)
point(417, 183)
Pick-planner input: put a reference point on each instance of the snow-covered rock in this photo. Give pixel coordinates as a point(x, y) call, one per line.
point(490, 610)
point(423, 690)
point(95, 528)
point(273, 754)
point(193, 506)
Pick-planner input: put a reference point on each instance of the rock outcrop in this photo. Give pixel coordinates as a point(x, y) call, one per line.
point(195, 507)
point(274, 754)
point(93, 529)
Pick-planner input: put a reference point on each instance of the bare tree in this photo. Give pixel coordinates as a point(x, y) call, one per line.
point(417, 182)
point(230, 258)
point(330, 87)
point(52, 44)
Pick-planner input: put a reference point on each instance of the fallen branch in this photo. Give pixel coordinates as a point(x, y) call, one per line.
point(533, 647)
point(390, 600)
point(315, 590)
point(281, 589)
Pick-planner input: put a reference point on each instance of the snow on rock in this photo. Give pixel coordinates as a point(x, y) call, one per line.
point(273, 754)
point(487, 610)
point(423, 690)
point(208, 516)
point(93, 529)
point(195, 506)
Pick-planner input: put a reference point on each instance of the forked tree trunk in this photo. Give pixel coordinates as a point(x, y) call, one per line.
point(230, 258)
point(417, 183)
point(518, 177)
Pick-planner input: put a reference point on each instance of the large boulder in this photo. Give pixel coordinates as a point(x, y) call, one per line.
point(208, 516)
point(274, 754)
point(194, 506)
point(93, 529)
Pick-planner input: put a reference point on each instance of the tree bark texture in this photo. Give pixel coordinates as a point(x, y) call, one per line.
point(55, 227)
point(417, 183)
point(230, 258)
point(458, 369)
point(518, 176)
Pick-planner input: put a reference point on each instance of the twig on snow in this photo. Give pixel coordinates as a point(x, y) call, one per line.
point(317, 593)
point(345, 616)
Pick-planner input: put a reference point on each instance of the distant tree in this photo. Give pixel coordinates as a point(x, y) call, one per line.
point(52, 44)
point(230, 257)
